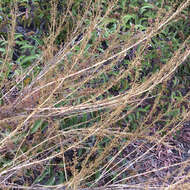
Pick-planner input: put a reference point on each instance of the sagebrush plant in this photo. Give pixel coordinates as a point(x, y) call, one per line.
point(81, 82)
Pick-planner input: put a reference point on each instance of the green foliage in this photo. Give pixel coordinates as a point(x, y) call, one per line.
point(105, 92)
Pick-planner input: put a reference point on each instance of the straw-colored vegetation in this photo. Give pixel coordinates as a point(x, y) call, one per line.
point(94, 94)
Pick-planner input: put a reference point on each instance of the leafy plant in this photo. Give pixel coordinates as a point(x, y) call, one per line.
point(91, 90)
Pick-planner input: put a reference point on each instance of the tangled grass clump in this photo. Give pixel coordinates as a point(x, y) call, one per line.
point(94, 94)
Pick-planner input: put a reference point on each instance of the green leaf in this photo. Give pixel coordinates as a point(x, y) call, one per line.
point(51, 181)
point(27, 46)
point(77, 48)
point(138, 115)
point(36, 126)
point(2, 50)
point(18, 35)
point(29, 58)
point(44, 125)
point(97, 174)
point(101, 50)
point(3, 42)
point(130, 117)
point(106, 21)
point(140, 27)
point(84, 118)
point(61, 177)
point(173, 113)
point(144, 8)
point(41, 177)
point(21, 43)
point(128, 17)
point(38, 41)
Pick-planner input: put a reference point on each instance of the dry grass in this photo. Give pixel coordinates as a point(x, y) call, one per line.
point(92, 150)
